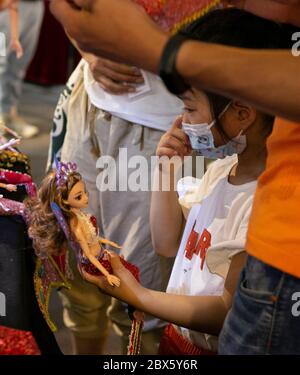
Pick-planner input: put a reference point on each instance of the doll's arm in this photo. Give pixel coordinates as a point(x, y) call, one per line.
point(110, 243)
point(8, 187)
point(15, 44)
point(113, 280)
point(9, 144)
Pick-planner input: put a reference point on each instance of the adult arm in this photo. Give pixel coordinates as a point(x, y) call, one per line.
point(268, 80)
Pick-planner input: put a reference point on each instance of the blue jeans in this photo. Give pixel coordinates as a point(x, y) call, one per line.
point(265, 316)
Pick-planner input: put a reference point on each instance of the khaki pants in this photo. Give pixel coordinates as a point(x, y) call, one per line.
point(123, 217)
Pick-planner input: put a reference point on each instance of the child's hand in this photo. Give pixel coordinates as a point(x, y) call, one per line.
point(129, 290)
point(174, 142)
point(11, 187)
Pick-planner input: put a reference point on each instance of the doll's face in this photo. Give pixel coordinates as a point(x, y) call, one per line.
point(78, 197)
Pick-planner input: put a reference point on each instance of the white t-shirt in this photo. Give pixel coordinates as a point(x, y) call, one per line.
point(152, 106)
point(219, 214)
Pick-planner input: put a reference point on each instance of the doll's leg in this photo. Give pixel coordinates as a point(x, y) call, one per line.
point(30, 20)
point(4, 78)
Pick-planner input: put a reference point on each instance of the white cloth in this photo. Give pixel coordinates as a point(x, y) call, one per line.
point(153, 106)
point(221, 210)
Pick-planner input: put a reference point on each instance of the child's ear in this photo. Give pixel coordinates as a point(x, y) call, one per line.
point(245, 114)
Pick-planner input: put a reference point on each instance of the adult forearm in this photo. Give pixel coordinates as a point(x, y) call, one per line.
point(269, 80)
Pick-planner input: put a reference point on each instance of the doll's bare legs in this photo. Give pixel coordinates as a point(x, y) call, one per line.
point(12, 70)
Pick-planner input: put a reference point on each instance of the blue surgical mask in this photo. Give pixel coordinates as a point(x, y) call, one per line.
point(202, 140)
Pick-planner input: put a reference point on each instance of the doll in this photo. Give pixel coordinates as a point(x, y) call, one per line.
point(56, 223)
point(65, 189)
point(15, 44)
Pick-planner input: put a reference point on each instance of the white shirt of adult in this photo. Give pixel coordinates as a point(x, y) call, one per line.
point(152, 106)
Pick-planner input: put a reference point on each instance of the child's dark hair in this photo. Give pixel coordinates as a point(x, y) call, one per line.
point(238, 28)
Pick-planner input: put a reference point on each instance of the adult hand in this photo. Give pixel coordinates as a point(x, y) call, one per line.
point(6, 3)
point(119, 30)
point(114, 78)
point(287, 11)
point(129, 291)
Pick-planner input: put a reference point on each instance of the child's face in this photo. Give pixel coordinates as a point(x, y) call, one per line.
point(78, 197)
point(197, 110)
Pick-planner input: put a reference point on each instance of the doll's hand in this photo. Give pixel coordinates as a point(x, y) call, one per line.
point(16, 46)
point(10, 143)
point(11, 187)
point(113, 280)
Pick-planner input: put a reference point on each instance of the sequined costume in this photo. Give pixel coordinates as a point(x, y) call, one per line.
point(17, 342)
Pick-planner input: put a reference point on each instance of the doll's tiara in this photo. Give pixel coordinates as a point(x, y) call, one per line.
point(63, 170)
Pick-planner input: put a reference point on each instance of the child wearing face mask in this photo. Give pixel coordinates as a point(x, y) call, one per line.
point(205, 229)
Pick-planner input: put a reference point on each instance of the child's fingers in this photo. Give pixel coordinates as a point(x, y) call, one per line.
point(115, 261)
point(177, 124)
point(181, 136)
point(88, 277)
point(166, 151)
point(176, 145)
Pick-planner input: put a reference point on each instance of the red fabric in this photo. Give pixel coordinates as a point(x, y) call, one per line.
point(94, 222)
point(172, 343)
point(15, 342)
point(60, 261)
point(173, 14)
point(50, 65)
point(91, 269)
point(11, 177)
